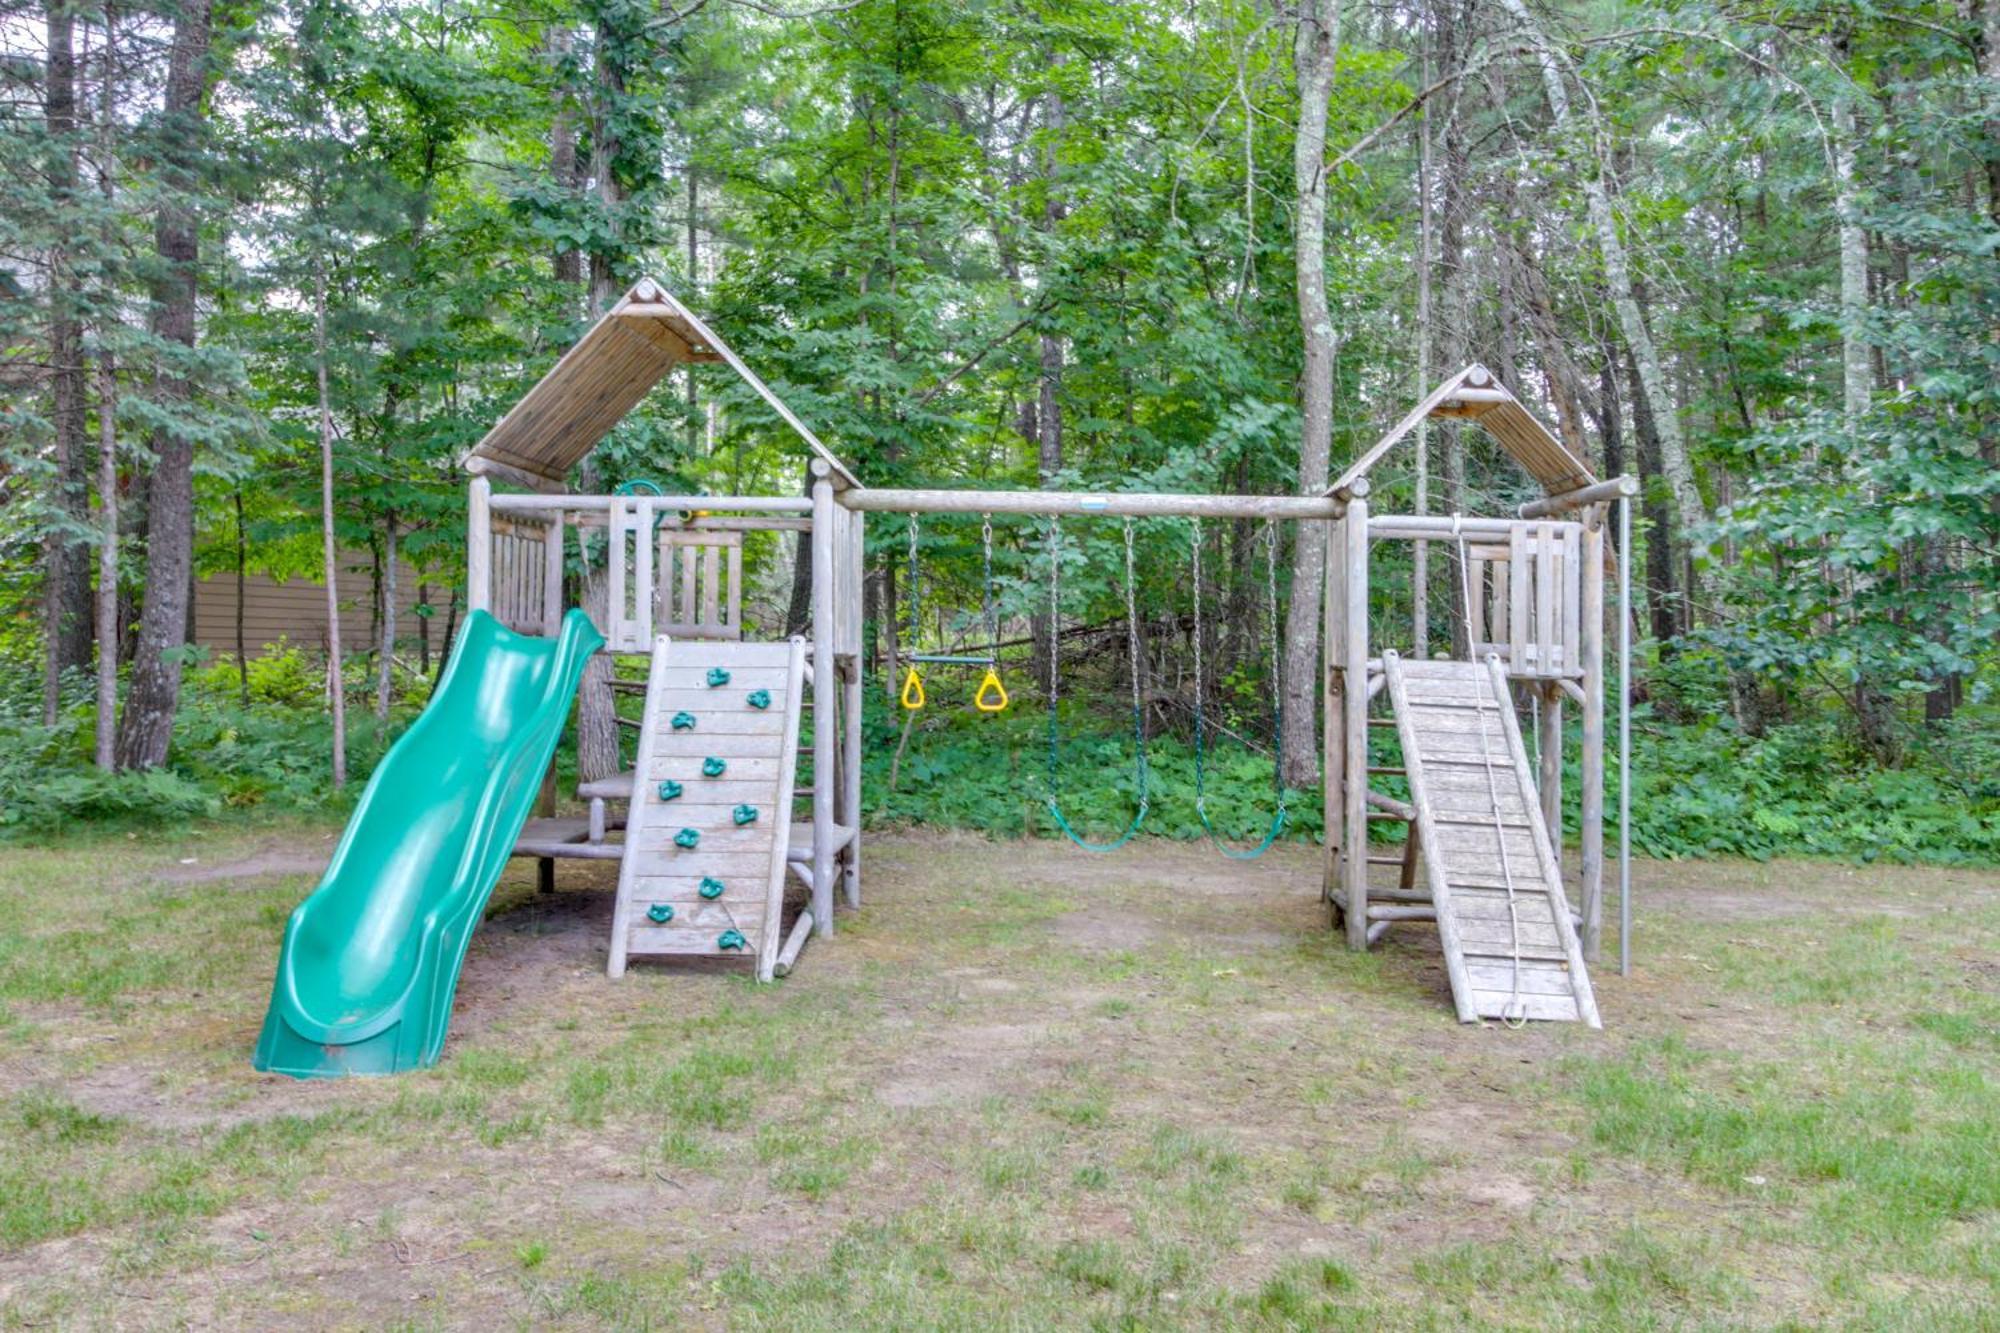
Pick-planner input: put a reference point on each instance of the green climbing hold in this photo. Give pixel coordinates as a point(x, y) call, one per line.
point(711, 887)
point(744, 814)
point(760, 698)
point(731, 939)
point(688, 838)
point(712, 767)
point(660, 913)
point(717, 676)
point(669, 790)
point(683, 722)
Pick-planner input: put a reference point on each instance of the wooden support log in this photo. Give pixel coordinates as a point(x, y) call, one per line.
point(711, 504)
point(1114, 503)
point(552, 575)
point(849, 814)
point(1549, 748)
point(1354, 641)
point(1403, 912)
point(825, 689)
point(479, 546)
point(1333, 734)
point(1591, 774)
point(795, 943)
point(1570, 501)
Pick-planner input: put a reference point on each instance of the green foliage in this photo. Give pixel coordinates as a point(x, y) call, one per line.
point(273, 753)
point(1701, 787)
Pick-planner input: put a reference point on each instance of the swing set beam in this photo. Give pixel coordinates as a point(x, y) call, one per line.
point(1129, 504)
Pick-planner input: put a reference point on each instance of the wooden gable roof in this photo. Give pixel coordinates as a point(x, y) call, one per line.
point(1474, 394)
point(601, 378)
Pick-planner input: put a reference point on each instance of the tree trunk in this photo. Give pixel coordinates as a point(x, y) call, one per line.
point(1047, 416)
point(1420, 552)
point(1453, 349)
point(424, 627)
point(66, 568)
point(107, 432)
point(1675, 464)
point(336, 680)
point(146, 727)
point(1662, 599)
point(385, 666)
point(566, 262)
point(107, 559)
point(242, 588)
point(1857, 377)
point(597, 749)
point(1315, 48)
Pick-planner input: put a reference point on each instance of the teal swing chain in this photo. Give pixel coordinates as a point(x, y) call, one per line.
point(1055, 676)
point(1278, 818)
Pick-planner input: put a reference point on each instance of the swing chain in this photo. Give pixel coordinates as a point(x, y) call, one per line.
point(1137, 663)
point(1200, 797)
point(916, 625)
point(1055, 619)
point(986, 583)
point(1277, 661)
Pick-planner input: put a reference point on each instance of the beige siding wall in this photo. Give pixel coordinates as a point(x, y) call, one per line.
point(296, 610)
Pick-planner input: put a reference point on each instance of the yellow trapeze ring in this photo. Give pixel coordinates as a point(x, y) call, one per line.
point(913, 690)
point(992, 696)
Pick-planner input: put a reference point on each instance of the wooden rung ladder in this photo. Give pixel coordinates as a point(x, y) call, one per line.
point(1509, 938)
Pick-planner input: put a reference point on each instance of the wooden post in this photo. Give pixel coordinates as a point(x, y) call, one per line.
point(1354, 714)
point(1549, 750)
point(552, 576)
point(1592, 832)
point(479, 546)
point(1333, 736)
point(852, 690)
point(826, 698)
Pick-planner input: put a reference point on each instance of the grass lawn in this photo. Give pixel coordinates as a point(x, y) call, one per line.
point(1024, 1088)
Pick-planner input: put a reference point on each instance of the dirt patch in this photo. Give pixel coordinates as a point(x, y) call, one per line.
point(274, 861)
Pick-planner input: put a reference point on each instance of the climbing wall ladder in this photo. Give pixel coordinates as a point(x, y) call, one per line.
point(1510, 943)
point(708, 829)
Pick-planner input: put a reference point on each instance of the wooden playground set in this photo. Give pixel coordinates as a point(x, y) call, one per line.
point(703, 825)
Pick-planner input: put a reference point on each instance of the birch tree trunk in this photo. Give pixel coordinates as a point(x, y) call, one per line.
point(1675, 465)
point(1315, 47)
point(1857, 370)
point(146, 727)
point(336, 680)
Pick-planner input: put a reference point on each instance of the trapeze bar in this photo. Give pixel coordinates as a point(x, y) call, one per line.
point(937, 659)
point(1122, 503)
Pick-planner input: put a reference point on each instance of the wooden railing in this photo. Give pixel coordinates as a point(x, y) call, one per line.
point(672, 564)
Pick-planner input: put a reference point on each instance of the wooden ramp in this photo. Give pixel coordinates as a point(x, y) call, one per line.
point(1510, 943)
point(662, 907)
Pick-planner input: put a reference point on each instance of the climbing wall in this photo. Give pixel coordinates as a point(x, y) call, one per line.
point(710, 817)
point(1510, 944)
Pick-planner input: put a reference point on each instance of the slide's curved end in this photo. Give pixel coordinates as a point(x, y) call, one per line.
point(370, 959)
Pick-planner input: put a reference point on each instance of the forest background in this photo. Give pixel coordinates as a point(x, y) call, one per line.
point(267, 270)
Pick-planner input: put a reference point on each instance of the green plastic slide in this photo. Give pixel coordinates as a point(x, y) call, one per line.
point(371, 957)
